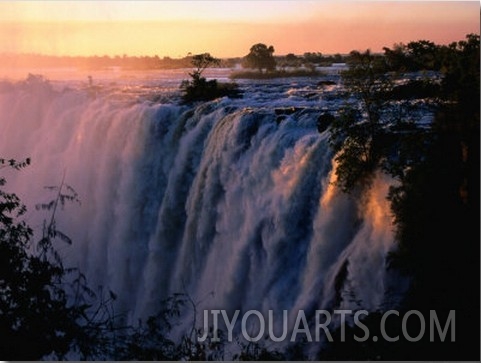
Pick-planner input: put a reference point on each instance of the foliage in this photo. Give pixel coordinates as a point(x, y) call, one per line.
point(458, 62)
point(33, 305)
point(290, 60)
point(435, 205)
point(415, 89)
point(450, 167)
point(46, 309)
point(437, 217)
point(369, 136)
point(257, 351)
point(415, 56)
point(260, 57)
point(313, 57)
point(199, 88)
point(94, 62)
point(201, 62)
point(367, 79)
point(353, 142)
point(461, 69)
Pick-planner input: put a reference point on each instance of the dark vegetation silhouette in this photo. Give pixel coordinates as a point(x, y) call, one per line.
point(201, 89)
point(126, 62)
point(98, 62)
point(260, 57)
point(359, 135)
point(436, 203)
point(35, 316)
point(48, 310)
point(267, 66)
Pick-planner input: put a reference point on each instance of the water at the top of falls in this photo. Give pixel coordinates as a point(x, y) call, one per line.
point(230, 201)
point(164, 85)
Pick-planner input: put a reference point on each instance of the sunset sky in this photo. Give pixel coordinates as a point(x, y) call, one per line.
point(227, 28)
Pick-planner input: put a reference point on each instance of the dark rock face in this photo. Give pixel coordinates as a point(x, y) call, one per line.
point(326, 83)
point(324, 121)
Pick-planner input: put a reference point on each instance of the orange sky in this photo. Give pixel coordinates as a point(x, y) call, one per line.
point(227, 28)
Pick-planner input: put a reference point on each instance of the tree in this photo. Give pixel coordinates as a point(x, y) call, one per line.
point(397, 59)
point(35, 317)
point(378, 131)
point(461, 72)
point(201, 62)
point(358, 136)
point(424, 54)
point(436, 201)
point(260, 57)
point(46, 309)
point(313, 57)
point(199, 88)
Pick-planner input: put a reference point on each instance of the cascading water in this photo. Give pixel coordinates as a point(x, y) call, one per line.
point(225, 201)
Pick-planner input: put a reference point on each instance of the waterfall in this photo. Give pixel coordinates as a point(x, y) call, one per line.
point(223, 201)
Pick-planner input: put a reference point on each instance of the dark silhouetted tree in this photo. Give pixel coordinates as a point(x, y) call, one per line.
point(35, 316)
point(199, 88)
point(379, 132)
point(201, 62)
point(46, 309)
point(357, 135)
point(260, 57)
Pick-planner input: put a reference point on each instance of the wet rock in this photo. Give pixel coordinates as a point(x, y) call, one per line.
point(326, 83)
point(324, 121)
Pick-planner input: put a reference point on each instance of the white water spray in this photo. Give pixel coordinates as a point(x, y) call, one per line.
point(220, 201)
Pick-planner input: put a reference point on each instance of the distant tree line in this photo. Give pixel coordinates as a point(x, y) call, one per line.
point(413, 56)
point(97, 62)
point(148, 62)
